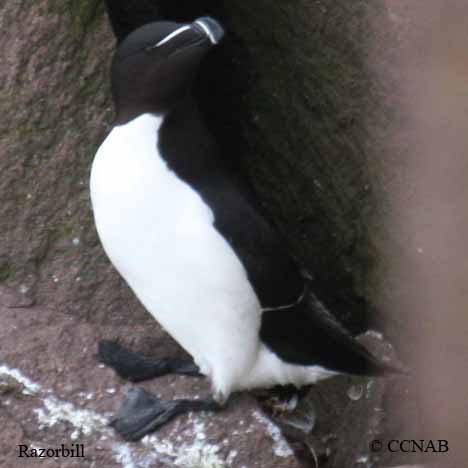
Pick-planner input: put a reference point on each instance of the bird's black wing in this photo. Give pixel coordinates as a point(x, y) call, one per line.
point(309, 335)
point(273, 273)
point(192, 154)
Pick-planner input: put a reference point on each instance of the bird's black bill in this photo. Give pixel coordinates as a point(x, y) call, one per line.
point(211, 27)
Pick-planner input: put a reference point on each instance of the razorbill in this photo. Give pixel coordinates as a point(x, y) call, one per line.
point(193, 246)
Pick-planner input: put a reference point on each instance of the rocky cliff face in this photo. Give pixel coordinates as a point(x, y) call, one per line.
point(290, 96)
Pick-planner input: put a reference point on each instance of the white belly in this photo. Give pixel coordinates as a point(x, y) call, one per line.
point(159, 234)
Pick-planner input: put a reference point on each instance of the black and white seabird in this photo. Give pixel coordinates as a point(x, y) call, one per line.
point(194, 247)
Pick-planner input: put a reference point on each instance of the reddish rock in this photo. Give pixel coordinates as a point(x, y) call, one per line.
point(55, 103)
point(54, 391)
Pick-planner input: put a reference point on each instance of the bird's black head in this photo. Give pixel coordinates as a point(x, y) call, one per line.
point(154, 66)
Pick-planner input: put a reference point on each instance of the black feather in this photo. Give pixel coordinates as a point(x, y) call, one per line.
point(308, 334)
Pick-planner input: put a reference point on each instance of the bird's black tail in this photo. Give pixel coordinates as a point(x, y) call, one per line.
point(370, 365)
point(362, 361)
point(309, 334)
point(353, 357)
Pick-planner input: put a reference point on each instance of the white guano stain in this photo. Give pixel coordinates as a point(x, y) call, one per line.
point(280, 448)
point(123, 455)
point(193, 453)
point(85, 422)
point(30, 387)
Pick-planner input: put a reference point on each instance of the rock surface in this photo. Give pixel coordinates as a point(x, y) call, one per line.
point(53, 391)
point(299, 102)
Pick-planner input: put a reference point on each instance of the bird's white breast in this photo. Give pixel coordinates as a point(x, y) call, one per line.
point(159, 234)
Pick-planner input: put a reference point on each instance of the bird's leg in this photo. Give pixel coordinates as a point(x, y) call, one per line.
point(142, 413)
point(136, 367)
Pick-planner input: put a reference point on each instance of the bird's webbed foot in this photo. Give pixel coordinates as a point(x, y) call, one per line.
point(142, 413)
point(136, 367)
